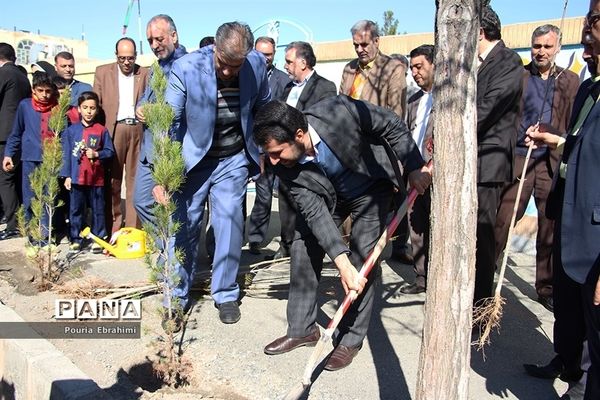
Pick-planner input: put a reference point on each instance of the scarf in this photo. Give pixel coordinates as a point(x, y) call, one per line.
point(44, 108)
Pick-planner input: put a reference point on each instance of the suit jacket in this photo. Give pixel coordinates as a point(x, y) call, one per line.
point(385, 85)
point(499, 86)
point(14, 87)
point(580, 221)
point(277, 82)
point(353, 130)
point(565, 89)
point(192, 92)
point(106, 85)
point(317, 88)
point(411, 121)
point(146, 147)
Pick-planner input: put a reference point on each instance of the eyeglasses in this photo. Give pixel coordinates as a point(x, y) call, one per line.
point(122, 59)
point(591, 18)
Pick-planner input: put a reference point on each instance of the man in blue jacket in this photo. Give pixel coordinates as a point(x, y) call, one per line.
point(161, 33)
point(215, 93)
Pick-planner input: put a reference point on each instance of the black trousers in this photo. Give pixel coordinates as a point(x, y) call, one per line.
point(9, 191)
point(569, 323)
point(488, 197)
point(258, 222)
point(368, 212)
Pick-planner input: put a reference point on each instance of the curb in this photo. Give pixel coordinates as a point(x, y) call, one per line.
point(35, 369)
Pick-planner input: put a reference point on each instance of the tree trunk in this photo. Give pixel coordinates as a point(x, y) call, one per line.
point(445, 351)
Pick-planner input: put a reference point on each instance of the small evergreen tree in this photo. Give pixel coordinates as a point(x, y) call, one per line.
point(45, 187)
point(169, 173)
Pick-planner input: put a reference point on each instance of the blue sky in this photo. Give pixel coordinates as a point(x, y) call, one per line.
point(328, 20)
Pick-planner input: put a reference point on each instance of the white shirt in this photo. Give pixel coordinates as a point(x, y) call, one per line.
point(126, 96)
point(421, 120)
point(297, 89)
point(315, 139)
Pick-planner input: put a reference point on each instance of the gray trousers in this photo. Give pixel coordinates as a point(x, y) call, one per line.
point(368, 212)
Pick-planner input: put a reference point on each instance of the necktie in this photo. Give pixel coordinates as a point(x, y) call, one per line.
point(359, 83)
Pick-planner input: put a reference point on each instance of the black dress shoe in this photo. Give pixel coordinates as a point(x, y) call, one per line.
point(281, 253)
point(554, 369)
point(285, 343)
point(413, 288)
point(9, 234)
point(547, 302)
point(254, 248)
point(341, 357)
point(229, 312)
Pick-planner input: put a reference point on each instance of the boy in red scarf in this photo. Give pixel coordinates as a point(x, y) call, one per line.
point(86, 147)
point(30, 129)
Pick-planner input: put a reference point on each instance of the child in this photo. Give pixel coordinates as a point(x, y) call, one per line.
point(61, 83)
point(30, 129)
point(86, 146)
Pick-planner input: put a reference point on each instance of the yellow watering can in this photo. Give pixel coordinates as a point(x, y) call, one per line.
point(129, 242)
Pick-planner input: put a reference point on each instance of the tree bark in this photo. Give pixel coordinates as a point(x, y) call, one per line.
point(444, 363)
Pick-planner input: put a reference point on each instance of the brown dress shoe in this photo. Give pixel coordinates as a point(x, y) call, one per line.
point(286, 343)
point(341, 357)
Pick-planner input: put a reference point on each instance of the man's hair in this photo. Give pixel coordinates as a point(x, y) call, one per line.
point(232, 38)
point(125, 39)
point(89, 95)
point(206, 41)
point(278, 120)
point(490, 23)
point(7, 52)
point(163, 17)
point(65, 55)
point(305, 51)
point(426, 50)
point(365, 25)
point(60, 82)
point(400, 57)
point(544, 30)
point(42, 79)
point(265, 39)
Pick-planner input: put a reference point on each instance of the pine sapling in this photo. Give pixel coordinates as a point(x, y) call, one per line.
point(169, 173)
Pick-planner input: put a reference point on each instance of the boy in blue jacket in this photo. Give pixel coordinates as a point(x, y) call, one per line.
point(30, 129)
point(86, 147)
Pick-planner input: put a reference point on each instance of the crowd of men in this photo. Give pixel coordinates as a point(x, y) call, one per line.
point(333, 151)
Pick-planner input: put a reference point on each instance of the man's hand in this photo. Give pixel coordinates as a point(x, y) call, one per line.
point(160, 195)
point(349, 276)
point(139, 114)
point(539, 135)
point(420, 179)
point(68, 183)
point(7, 164)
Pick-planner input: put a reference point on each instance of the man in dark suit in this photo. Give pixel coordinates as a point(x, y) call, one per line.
point(14, 87)
point(307, 87)
point(333, 161)
point(569, 324)
point(499, 82)
point(575, 195)
point(258, 222)
point(548, 94)
point(419, 121)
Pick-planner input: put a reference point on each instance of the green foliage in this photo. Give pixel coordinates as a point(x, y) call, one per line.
point(158, 83)
point(390, 24)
